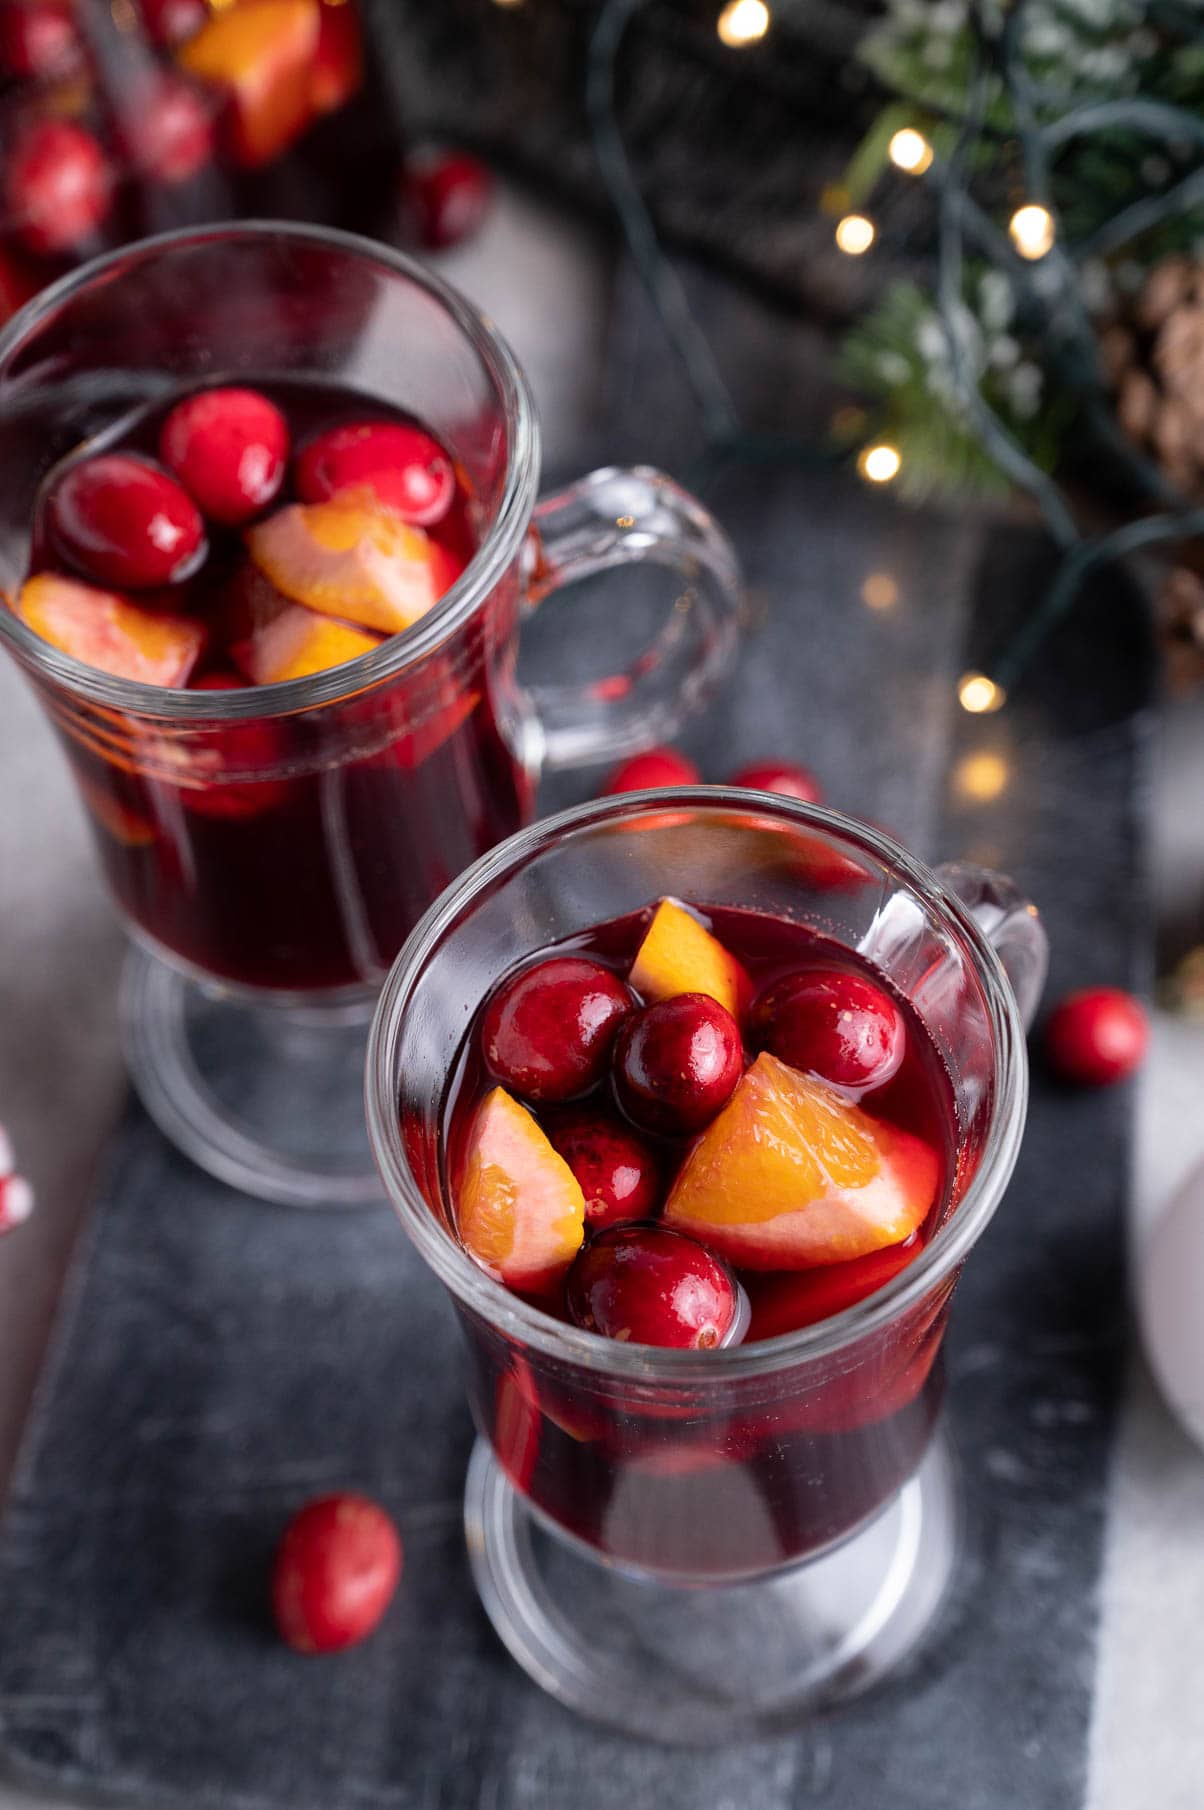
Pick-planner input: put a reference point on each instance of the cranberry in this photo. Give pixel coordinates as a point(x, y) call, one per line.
point(677, 1063)
point(647, 1285)
point(618, 1172)
point(445, 196)
point(781, 777)
point(548, 1032)
point(836, 1025)
point(171, 21)
point(336, 1570)
point(122, 520)
point(1097, 1035)
point(57, 185)
point(38, 39)
point(167, 134)
point(403, 468)
point(658, 767)
point(229, 448)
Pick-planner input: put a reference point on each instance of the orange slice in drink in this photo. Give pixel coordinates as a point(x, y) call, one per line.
point(520, 1208)
point(349, 559)
point(791, 1174)
point(104, 630)
point(679, 955)
point(261, 54)
point(295, 643)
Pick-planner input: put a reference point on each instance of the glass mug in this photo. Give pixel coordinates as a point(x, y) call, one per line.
point(270, 848)
point(801, 1483)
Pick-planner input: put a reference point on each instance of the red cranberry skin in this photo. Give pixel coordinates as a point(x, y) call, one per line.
point(405, 469)
point(782, 777)
point(647, 1285)
point(656, 767)
point(229, 448)
point(169, 22)
point(1096, 1036)
point(168, 134)
point(445, 197)
point(836, 1025)
point(676, 1063)
point(57, 186)
point(38, 39)
point(124, 521)
point(547, 1033)
point(336, 1570)
point(619, 1173)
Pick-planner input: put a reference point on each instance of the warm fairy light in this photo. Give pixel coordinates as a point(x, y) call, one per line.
point(743, 22)
point(909, 150)
point(854, 234)
point(879, 463)
point(980, 778)
point(879, 591)
point(980, 695)
point(1032, 230)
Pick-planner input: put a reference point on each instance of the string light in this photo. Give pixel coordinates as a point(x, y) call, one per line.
point(982, 777)
point(909, 150)
point(879, 591)
point(980, 695)
point(1032, 231)
point(879, 463)
point(742, 22)
point(855, 234)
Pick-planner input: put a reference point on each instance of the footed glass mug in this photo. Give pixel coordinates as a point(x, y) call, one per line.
point(271, 847)
point(801, 1483)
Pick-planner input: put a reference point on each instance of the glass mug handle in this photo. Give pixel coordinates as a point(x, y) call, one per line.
point(619, 517)
point(1010, 923)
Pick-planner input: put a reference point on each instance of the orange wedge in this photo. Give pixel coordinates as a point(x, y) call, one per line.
point(295, 643)
point(520, 1207)
point(678, 955)
point(348, 559)
point(791, 1174)
point(261, 54)
point(105, 630)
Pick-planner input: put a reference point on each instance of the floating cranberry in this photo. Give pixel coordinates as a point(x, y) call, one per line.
point(169, 22)
point(38, 39)
point(646, 1285)
point(677, 1062)
point(657, 767)
point(547, 1033)
point(618, 1172)
point(124, 521)
point(336, 1570)
point(167, 133)
point(836, 1025)
point(229, 448)
point(445, 196)
point(782, 777)
point(57, 185)
point(403, 468)
point(1097, 1035)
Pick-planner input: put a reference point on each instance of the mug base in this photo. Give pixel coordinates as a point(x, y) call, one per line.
point(266, 1096)
point(707, 1665)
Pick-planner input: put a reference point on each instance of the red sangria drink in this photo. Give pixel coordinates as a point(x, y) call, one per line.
point(696, 1101)
point(272, 526)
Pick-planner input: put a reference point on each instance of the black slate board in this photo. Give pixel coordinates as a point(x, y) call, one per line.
point(217, 1361)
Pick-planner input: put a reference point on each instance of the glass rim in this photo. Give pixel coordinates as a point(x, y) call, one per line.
point(397, 652)
point(493, 1302)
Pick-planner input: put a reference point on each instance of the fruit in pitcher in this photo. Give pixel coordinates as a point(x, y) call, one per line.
point(679, 955)
point(124, 521)
point(338, 64)
point(386, 463)
point(165, 131)
point(295, 643)
point(229, 448)
point(348, 559)
point(783, 1303)
point(520, 1208)
point(618, 1170)
point(645, 1285)
point(107, 631)
point(791, 1174)
point(547, 1032)
point(259, 54)
point(38, 39)
point(57, 185)
point(677, 1062)
point(336, 1572)
point(830, 1023)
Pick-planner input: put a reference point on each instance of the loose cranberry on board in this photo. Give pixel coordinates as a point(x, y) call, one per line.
point(336, 1570)
point(1097, 1035)
point(782, 777)
point(656, 767)
point(445, 196)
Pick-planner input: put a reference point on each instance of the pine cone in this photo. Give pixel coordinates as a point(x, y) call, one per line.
point(1155, 359)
